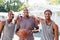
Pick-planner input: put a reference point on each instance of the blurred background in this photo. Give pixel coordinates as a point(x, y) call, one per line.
point(36, 8)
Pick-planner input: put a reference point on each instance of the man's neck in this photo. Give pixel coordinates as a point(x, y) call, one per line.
point(9, 20)
point(26, 17)
point(48, 21)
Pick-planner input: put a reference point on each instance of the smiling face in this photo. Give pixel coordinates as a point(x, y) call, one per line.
point(10, 15)
point(47, 14)
point(25, 11)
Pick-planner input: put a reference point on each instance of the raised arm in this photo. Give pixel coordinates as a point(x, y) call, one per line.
point(1, 26)
point(38, 20)
point(18, 23)
point(56, 33)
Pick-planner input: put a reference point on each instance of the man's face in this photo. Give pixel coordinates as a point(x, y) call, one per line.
point(10, 15)
point(25, 11)
point(47, 15)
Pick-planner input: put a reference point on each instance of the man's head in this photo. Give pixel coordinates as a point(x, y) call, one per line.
point(25, 11)
point(10, 15)
point(48, 14)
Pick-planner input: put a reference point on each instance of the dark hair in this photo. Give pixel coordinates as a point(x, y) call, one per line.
point(10, 12)
point(48, 11)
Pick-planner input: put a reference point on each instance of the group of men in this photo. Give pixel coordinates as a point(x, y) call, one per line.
point(25, 26)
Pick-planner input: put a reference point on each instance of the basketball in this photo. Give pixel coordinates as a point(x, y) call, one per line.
point(23, 33)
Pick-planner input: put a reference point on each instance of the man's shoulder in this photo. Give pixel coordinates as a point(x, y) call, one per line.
point(55, 25)
point(33, 17)
point(2, 21)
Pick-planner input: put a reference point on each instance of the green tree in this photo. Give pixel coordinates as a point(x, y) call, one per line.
point(1, 1)
point(54, 2)
point(15, 5)
point(7, 8)
point(2, 8)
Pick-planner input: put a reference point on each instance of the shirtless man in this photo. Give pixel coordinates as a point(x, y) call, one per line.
point(49, 27)
point(7, 27)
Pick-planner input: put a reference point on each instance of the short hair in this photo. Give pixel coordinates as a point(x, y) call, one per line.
point(25, 8)
point(48, 11)
point(10, 12)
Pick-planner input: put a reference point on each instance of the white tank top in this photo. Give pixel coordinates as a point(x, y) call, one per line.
point(47, 31)
point(8, 31)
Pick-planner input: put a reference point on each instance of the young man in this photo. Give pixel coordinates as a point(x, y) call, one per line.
point(7, 27)
point(26, 25)
point(49, 28)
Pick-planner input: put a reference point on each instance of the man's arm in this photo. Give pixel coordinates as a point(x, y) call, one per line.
point(36, 25)
point(38, 20)
point(56, 33)
point(1, 26)
point(18, 23)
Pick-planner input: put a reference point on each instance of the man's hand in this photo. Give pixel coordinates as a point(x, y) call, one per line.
point(35, 31)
